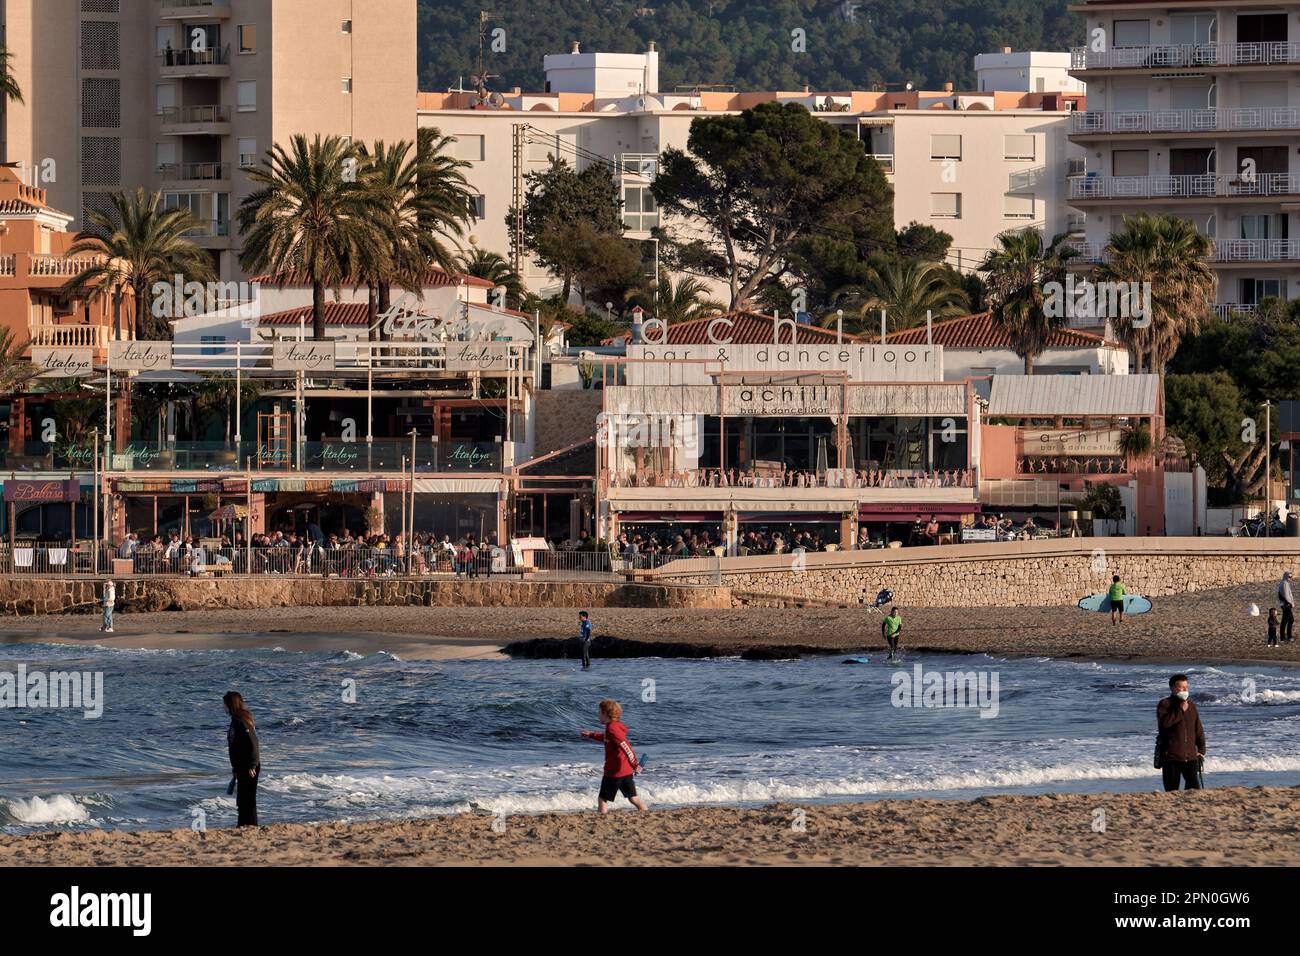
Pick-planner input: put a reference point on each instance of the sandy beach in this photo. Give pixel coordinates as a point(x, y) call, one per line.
point(1211, 626)
point(1229, 827)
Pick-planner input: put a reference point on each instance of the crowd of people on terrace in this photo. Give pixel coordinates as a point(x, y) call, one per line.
point(794, 478)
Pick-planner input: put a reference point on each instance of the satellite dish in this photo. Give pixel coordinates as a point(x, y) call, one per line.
point(496, 99)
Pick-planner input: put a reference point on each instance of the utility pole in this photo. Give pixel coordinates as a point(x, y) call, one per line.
point(1268, 468)
point(520, 131)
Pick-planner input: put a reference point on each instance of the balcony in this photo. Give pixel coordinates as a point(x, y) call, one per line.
point(1186, 56)
point(194, 9)
point(1194, 187)
point(886, 161)
point(384, 456)
point(1206, 121)
point(183, 63)
point(203, 120)
point(70, 336)
point(209, 229)
point(1227, 310)
point(194, 172)
point(8, 263)
point(1226, 251)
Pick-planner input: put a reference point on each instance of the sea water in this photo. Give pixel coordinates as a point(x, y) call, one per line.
point(351, 737)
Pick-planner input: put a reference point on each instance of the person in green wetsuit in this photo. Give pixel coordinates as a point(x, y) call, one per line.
point(891, 628)
point(1116, 593)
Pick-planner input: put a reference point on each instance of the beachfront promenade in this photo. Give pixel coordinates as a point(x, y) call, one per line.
point(1004, 574)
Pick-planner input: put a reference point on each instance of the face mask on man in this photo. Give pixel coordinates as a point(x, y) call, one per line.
point(1182, 695)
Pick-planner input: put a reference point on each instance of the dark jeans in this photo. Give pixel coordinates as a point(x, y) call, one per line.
point(246, 798)
point(1181, 770)
point(586, 653)
point(1288, 622)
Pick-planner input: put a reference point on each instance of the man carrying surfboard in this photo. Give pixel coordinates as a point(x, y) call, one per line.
point(891, 628)
point(1116, 593)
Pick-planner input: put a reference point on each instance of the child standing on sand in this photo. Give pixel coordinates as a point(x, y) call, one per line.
point(620, 761)
point(1272, 627)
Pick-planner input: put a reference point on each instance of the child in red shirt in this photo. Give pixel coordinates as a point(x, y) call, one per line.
point(620, 761)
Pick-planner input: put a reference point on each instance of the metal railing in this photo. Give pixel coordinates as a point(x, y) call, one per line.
point(186, 115)
point(886, 161)
point(209, 228)
point(1185, 121)
point(794, 479)
point(1224, 250)
point(205, 171)
point(1195, 186)
point(1226, 310)
point(214, 57)
point(1177, 55)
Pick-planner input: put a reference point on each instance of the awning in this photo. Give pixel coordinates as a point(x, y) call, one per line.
point(914, 512)
point(787, 517)
point(670, 517)
point(457, 486)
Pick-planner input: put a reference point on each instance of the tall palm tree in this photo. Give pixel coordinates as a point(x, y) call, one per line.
point(445, 200)
point(685, 300)
point(906, 289)
point(313, 215)
point(9, 89)
point(1016, 271)
point(135, 245)
point(492, 266)
point(1170, 255)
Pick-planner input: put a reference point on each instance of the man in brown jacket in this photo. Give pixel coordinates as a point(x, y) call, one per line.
point(1182, 739)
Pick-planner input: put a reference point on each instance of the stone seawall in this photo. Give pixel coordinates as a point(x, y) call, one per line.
point(1016, 574)
point(25, 596)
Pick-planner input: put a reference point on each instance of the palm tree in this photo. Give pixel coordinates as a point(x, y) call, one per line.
point(1170, 258)
point(444, 199)
point(136, 245)
point(312, 216)
point(1135, 441)
point(906, 289)
point(493, 267)
point(685, 300)
point(14, 370)
point(9, 89)
point(1016, 271)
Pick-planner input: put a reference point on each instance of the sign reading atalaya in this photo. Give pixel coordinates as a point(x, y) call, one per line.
point(304, 357)
point(140, 356)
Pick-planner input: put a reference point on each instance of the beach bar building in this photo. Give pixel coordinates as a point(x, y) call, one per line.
point(743, 421)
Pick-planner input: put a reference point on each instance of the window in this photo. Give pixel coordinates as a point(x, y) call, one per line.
point(469, 148)
point(248, 38)
point(347, 84)
point(347, 26)
point(1019, 206)
point(247, 91)
point(247, 153)
point(1129, 162)
point(945, 146)
point(478, 207)
point(164, 37)
point(640, 214)
point(165, 98)
point(165, 153)
point(1132, 32)
point(1017, 146)
point(945, 205)
point(1254, 291)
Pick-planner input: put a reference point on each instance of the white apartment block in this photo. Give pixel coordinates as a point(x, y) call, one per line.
point(1026, 72)
point(183, 96)
point(1194, 111)
point(971, 164)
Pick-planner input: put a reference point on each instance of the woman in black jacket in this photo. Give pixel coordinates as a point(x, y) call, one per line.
point(245, 756)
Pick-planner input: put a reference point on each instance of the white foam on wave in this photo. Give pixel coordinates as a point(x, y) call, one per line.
point(60, 808)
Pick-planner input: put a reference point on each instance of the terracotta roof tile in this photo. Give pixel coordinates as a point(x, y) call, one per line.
point(980, 332)
point(434, 278)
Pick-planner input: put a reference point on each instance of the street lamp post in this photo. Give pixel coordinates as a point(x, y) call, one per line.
point(94, 565)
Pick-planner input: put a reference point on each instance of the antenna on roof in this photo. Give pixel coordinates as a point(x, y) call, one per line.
point(481, 76)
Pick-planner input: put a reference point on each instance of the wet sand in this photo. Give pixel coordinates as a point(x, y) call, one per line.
point(1229, 827)
point(1210, 627)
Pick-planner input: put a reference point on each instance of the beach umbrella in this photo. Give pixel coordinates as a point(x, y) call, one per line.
point(229, 513)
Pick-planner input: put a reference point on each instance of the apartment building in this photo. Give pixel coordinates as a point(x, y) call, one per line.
point(1194, 111)
point(183, 96)
point(971, 164)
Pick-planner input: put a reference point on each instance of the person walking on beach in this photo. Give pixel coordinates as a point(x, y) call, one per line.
point(620, 761)
point(584, 638)
point(245, 756)
point(891, 628)
point(1116, 593)
point(1272, 627)
point(1286, 598)
point(109, 600)
point(1181, 737)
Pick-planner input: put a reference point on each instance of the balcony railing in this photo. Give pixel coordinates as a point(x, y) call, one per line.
point(61, 267)
point(1204, 185)
point(1185, 121)
point(184, 115)
point(886, 161)
point(217, 56)
point(1225, 250)
point(173, 172)
point(1185, 55)
point(8, 264)
point(209, 229)
point(70, 336)
point(1226, 310)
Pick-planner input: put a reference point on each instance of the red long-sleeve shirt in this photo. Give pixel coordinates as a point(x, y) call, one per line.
point(620, 761)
